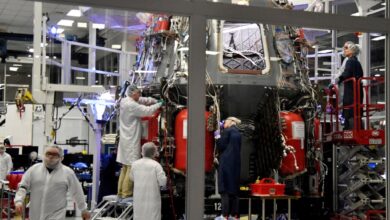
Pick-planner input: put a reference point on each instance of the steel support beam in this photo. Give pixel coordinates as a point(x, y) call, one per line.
point(196, 110)
point(265, 15)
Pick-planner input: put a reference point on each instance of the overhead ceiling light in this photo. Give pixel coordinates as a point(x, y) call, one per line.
point(29, 55)
point(379, 38)
point(64, 22)
point(28, 75)
point(82, 24)
point(375, 34)
point(98, 26)
point(42, 44)
point(54, 57)
point(377, 75)
point(325, 51)
point(234, 29)
point(16, 64)
point(384, 4)
point(74, 13)
point(31, 50)
point(8, 75)
point(209, 52)
point(382, 70)
point(14, 69)
point(116, 46)
point(59, 30)
point(355, 14)
point(80, 77)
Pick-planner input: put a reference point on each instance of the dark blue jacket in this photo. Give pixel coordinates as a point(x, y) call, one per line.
point(229, 147)
point(353, 68)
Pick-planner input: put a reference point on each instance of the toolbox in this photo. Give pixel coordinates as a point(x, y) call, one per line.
point(267, 187)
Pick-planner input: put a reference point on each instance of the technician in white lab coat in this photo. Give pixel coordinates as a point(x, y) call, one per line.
point(5, 163)
point(48, 184)
point(148, 177)
point(132, 109)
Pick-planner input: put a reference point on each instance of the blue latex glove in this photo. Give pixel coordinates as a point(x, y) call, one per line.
point(221, 123)
point(217, 134)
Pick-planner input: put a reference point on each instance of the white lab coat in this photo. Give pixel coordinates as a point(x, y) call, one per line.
point(148, 176)
point(48, 191)
point(341, 86)
point(5, 165)
point(130, 127)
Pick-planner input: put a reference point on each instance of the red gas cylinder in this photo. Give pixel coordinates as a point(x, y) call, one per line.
point(294, 133)
point(150, 128)
point(181, 142)
point(317, 130)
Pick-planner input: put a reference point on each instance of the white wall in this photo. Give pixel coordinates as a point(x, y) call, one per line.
point(72, 125)
point(19, 127)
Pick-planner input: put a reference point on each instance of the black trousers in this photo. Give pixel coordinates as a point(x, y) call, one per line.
point(230, 205)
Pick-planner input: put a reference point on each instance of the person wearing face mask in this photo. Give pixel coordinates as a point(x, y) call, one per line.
point(148, 176)
point(229, 148)
point(48, 184)
point(5, 163)
point(353, 68)
point(132, 109)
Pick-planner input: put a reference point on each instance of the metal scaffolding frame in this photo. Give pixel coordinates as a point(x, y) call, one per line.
point(199, 11)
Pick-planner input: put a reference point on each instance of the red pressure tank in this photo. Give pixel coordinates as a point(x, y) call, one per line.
point(294, 132)
point(181, 142)
point(150, 128)
point(317, 130)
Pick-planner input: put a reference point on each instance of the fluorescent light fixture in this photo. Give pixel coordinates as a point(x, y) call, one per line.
point(60, 30)
point(183, 49)
point(82, 25)
point(98, 26)
point(209, 52)
point(377, 75)
point(375, 34)
point(116, 46)
point(74, 13)
point(384, 4)
point(54, 57)
point(229, 30)
point(355, 14)
point(16, 64)
point(7, 75)
point(14, 69)
point(42, 44)
point(382, 69)
point(115, 71)
point(325, 51)
point(31, 50)
point(28, 75)
point(66, 23)
point(379, 38)
point(80, 77)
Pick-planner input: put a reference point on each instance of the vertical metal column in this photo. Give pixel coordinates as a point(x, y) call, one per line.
point(66, 63)
point(334, 58)
point(36, 76)
point(196, 109)
point(92, 55)
point(316, 65)
point(387, 96)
